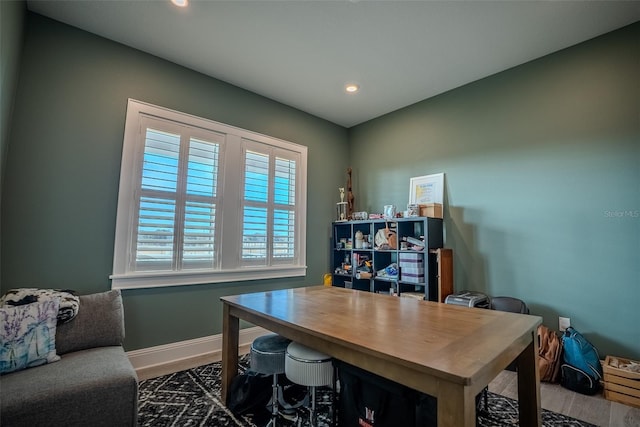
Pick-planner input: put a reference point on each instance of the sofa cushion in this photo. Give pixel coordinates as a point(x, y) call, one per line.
point(100, 322)
point(94, 387)
point(69, 302)
point(28, 335)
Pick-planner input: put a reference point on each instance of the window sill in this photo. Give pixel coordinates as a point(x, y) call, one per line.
point(142, 280)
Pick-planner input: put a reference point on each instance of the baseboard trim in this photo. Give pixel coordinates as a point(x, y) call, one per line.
point(164, 359)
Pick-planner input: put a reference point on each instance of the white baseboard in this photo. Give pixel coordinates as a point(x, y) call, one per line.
point(187, 352)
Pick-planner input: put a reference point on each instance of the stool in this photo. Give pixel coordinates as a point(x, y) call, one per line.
point(268, 358)
point(308, 367)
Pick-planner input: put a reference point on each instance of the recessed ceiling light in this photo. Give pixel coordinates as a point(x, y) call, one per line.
point(180, 3)
point(351, 88)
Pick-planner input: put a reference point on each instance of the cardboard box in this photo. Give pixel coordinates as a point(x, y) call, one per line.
point(621, 385)
point(432, 210)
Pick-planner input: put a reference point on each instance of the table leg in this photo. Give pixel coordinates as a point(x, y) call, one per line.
point(230, 342)
point(529, 385)
point(456, 406)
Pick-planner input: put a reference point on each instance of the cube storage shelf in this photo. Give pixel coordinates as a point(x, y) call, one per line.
point(426, 273)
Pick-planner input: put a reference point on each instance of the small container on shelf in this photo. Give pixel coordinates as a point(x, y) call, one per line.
point(359, 216)
point(431, 210)
point(359, 239)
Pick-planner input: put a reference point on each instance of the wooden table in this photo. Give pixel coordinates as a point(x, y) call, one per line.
point(447, 351)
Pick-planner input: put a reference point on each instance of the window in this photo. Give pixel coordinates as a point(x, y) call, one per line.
point(268, 205)
point(183, 181)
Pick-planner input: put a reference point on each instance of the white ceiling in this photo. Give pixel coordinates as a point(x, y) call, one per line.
point(302, 53)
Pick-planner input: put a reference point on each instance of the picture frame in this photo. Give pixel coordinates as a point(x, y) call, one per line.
point(426, 189)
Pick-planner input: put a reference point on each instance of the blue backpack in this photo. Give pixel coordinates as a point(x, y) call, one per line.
point(581, 371)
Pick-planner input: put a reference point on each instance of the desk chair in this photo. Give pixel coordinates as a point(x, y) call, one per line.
point(511, 305)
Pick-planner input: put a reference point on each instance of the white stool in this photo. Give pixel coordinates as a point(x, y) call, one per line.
point(308, 367)
point(268, 358)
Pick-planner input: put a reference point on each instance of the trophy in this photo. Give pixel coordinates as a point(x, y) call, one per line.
point(341, 207)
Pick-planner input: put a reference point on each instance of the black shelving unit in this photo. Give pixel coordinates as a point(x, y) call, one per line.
point(359, 259)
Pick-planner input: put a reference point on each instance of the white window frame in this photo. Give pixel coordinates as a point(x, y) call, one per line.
point(228, 236)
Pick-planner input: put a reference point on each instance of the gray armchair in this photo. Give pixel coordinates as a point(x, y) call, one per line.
point(93, 384)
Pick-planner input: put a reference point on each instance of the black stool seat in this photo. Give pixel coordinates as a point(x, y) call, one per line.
point(268, 354)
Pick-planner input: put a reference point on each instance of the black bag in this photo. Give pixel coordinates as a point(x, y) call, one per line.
point(576, 379)
point(249, 393)
point(368, 400)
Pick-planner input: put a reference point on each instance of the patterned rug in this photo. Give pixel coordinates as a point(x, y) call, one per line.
point(192, 398)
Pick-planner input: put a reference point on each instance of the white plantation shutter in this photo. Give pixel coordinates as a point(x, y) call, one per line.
point(172, 224)
point(254, 215)
point(157, 203)
point(284, 215)
point(268, 217)
point(155, 234)
point(199, 250)
point(177, 199)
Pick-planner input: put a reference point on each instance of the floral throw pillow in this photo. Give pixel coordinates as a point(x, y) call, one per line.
point(28, 335)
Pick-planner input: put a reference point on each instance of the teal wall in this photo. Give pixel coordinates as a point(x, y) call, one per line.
point(542, 183)
point(11, 30)
point(538, 159)
point(63, 168)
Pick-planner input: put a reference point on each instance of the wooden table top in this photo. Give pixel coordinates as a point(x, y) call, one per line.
point(461, 345)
